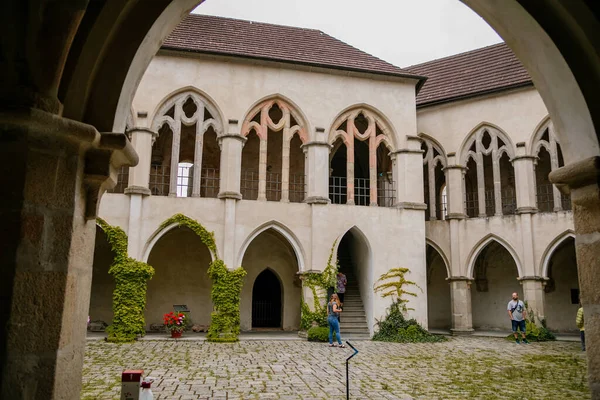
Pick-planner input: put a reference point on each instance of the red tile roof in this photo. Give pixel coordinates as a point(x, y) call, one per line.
point(233, 37)
point(474, 73)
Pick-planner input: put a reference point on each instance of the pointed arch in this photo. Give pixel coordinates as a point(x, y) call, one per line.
point(482, 244)
point(352, 229)
point(435, 144)
point(283, 231)
point(549, 252)
point(302, 128)
point(476, 134)
point(537, 133)
point(159, 233)
point(442, 255)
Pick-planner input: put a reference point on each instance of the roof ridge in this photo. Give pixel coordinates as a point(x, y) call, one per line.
point(253, 22)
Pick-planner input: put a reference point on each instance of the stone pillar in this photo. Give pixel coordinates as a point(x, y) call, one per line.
point(285, 164)
point(317, 168)
point(53, 173)
point(175, 146)
point(454, 188)
point(460, 297)
point(408, 174)
point(582, 181)
point(262, 169)
point(481, 186)
point(197, 171)
point(497, 184)
point(142, 140)
point(525, 180)
point(533, 294)
point(231, 145)
point(372, 171)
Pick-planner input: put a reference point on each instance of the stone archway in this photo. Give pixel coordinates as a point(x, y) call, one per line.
point(439, 310)
point(266, 300)
point(103, 284)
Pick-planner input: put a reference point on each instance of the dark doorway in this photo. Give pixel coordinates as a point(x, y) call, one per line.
point(266, 301)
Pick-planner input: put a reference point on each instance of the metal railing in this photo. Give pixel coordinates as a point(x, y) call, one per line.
point(545, 198)
point(338, 189)
point(297, 188)
point(160, 177)
point(209, 182)
point(509, 201)
point(362, 191)
point(472, 204)
point(249, 185)
point(490, 203)
point(565, 201)
point(386, 192)
point(273, 186)
point(122, 181)
point(443, 209)
point(185, 176)
point(265, 314)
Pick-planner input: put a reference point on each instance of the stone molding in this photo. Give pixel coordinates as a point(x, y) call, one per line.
point(409, 205)
point(578, 174)
point(230, 195)
point(524, 157)
point(455, 166)
point(142, 129)
point(317, 200)
point(527, 210)
point(460, 279)
point(407, 151)
point(316, 143)
point(451, 216)
point(241, 138)
point(533, 278)
point(461, 332)
point(144, 191)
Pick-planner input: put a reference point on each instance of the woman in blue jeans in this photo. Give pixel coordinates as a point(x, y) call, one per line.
point(333, 311)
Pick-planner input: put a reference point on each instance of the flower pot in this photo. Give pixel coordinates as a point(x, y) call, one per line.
point(175, 334)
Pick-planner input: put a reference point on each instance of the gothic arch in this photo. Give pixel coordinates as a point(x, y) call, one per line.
point(482, 244)
point(476, 135)
point(281, 229)
point(435, 144)
point(537, 133)
point(545, 262)
point(374, 116)
point(434, 179)
point(353, 229)
point(441, 253)
point(159, 233)
point(288, 107)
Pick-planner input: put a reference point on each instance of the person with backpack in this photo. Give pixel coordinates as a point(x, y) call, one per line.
point(580, 324)
point(517, 314)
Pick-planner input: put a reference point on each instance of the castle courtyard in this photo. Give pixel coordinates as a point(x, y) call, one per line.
point(462, 368)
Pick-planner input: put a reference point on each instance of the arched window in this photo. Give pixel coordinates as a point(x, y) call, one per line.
point(272, 158)
point(547, 149)
point(489, 181)
point(360, 165)
point(434, 179)
point(188, 126)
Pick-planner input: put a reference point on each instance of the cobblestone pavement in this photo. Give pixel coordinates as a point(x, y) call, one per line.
point(462, 368)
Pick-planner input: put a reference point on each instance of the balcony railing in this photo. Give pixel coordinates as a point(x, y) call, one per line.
point(273, 186)
point(386, 192)
point(472, 204)
point(122, 181)
point(509, 201)
point(338, 189)
point(490, 203)
point(249, 185)
point(565, 200)
point(362, 191)
point(545, 198)
point(160, 177)
point(297, 188)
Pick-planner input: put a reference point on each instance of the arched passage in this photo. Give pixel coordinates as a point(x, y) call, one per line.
point(495, 273)
point(354, 257)
point(272, 266)
point(103, 284)
point(180, 262)
point(439, 312)
point(562, 287)
point(266, 300)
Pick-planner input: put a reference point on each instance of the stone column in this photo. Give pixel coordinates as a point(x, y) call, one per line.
point(454, 188)
point(142, 140)
point(285, 164)
point(350, 168)
point(197, 171)
point(533, 294)
point(231, 145)
point(53, 173)
point(582, 181)
point(175, 146)
point(372, 171)
point(481, 186)
point(408, 174)
point(460, 297)
point(497, 183)
point(317, 169)
point(525, 180)
point(262, 170)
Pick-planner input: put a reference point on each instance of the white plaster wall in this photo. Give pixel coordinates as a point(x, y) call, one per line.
point(439, 312)
point(560, 312)
point(517, 113)
point(236, 86)
point(103, 284)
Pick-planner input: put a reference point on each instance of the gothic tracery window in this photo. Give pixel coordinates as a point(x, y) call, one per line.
point(186, 157)
point(360, 163)
point(489, 180)
point(547, 149)
point(434, 179)
point(273, 166)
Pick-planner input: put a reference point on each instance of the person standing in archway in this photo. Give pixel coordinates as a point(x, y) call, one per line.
point(517, 314)
point(580, 324)
point(333, 311)
point(341, 286)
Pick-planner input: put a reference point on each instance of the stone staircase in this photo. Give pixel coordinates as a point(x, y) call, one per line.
point(353, 324)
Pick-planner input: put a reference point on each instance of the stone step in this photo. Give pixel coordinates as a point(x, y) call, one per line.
point(353, 320)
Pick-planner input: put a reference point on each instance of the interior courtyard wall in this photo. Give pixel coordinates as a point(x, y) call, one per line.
point(439, 312)
point(560, 309)
point(180, 262)
point(270, 250)
point(103, 284)
point(489, 307)
point(236, 86)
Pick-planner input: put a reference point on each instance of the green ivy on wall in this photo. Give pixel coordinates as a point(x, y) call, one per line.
point(226, 285)
point(129, 297)
point(318, 282)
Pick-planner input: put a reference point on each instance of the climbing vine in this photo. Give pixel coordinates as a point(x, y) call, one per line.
point(129, 297)
point(226, 285)
point(318, 284)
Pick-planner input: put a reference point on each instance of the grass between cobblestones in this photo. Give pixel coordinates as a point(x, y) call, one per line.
point(462, 368)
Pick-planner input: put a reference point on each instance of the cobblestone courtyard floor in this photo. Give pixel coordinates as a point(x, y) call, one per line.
point(462, 368)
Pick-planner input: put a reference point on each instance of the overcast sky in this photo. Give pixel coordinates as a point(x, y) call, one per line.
point(402, 32)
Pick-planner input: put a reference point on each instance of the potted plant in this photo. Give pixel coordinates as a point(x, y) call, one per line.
point(175, 323)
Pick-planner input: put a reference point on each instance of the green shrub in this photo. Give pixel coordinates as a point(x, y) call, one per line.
point(535, 333)
point(318, 334)
point(396, 328)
